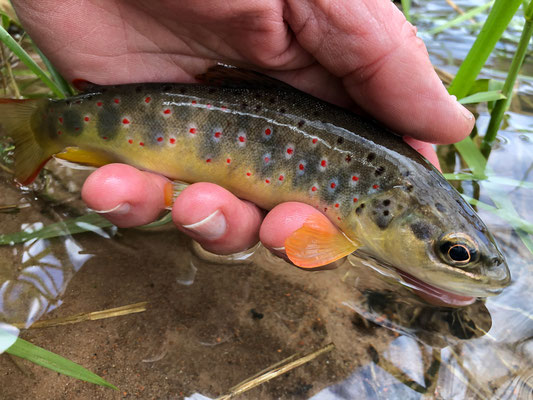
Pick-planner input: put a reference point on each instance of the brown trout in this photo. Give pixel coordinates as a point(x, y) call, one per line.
point(269, 143)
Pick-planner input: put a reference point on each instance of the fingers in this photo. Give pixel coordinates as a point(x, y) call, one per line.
point(384, 66)
point(124, 195)
point(219, 221)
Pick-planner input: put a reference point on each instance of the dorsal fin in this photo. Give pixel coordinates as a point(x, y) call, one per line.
point(234, 77)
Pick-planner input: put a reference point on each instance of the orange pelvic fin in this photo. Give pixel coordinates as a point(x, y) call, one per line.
point(85, 157)
point(318, 242)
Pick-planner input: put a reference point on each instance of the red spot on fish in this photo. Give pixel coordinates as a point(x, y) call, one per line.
point(141, 143)
point(332, 185)
point(355, 199)
point(325, 209)
point(301, 166)
point(323, 163)
point(315, 140)
point(208, 160)
point(339, 218)
point(147, 100)
point(375, 186)
point(60, 120)
point(218, 134)
point(248, 174)
point(268, 131)
point(76, 129)
point(125, 121)
point(314, 189)
point(166, 111)
point(223, 107)
point(242, 139)
point(228, 160)
point(172, 140)
point(355, 178)
point(104, 137)
point(337, 205)
point(130, 141)
point(116, 101)
point(86, 119)
point(159, 139)
point(99, 104)
point(193, 102)
point(59, 132)
point(281, 177)
point(208, 105)
point(267, 180)
point(348, 158)
point(267, 159)
point(290, 150)
point(192, 130)
point(77, 102)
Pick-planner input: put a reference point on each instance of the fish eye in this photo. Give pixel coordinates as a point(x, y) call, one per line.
point(457, 250)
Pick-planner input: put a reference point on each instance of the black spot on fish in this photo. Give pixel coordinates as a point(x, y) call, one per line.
point(440, 207)
point(370, 157)
point(379, 170)
point(406, 173)
point(386, 202)
point(360, 209)
point(340, 140)
point(386, 212)
point(108, 123)
point(282, 110)
point(138, 89)
point(73, 123)
point(301, 123)
point(409, 187)
point(244, 105)
point(421, 230)
point(258, 108)
point(348, 158)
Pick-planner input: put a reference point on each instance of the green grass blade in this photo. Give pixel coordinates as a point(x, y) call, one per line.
point(37, 355)
point(85, 223)
point(481, 97)
point(10, 43)
point(473, 157)
point(504, 212)
point(61, 82)
point(497, 180)
point(501, 106)
point(406, 8)
point(499, 17)
point(463, 17)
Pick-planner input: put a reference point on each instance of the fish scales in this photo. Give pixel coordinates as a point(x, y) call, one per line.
point(274, 144)
point(274, 151)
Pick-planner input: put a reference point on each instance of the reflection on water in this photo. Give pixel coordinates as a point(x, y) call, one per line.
point(215, 321)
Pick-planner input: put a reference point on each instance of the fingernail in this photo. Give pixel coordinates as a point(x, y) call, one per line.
point(119, 209)
point(211, 227)
point(467, 114)
point(282, 249)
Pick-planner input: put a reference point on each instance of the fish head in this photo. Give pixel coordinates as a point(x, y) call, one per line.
point(438, 239)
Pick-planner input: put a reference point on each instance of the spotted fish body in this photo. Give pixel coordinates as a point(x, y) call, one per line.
point(269, 143)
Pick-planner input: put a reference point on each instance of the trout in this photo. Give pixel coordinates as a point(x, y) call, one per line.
point(269, 143)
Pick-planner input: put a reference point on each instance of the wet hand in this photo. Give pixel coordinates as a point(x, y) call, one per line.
point(360, 55)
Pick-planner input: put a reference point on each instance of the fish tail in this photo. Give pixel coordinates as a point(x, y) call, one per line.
point(16, 122)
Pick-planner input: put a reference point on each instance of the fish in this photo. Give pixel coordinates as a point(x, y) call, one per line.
point(269, 143)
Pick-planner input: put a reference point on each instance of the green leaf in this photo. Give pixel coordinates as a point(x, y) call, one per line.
point(10, 43)
point(499, 17)
point(463, 17)
point(406, 8)
point(497, 180)
point(85, 223)
point(37, 355)
point(61, 82)
point(480, 97)
point(473, 157)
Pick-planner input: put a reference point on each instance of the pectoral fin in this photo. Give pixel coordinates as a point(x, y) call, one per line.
point(85, 157)
point(318, 242)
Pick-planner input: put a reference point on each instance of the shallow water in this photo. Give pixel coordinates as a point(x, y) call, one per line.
point(211, 323)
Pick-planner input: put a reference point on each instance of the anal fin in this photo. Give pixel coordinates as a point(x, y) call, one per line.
point(318, 242)
point(85, 157)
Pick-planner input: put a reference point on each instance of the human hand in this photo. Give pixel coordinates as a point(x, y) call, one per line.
point(360, 55)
